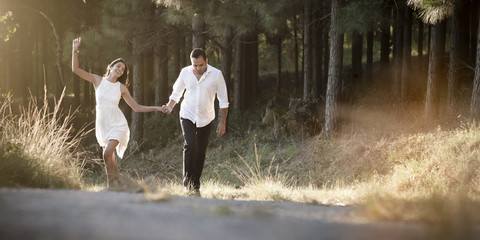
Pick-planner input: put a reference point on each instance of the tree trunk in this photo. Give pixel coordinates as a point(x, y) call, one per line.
point(10, 74)
point(237, 82)
point(38, 79)
point(474, 30)
point(198, 27)
point(385, 35)
point(407, 54)
point(137, 82)
point(369, 67)
point(88, 100)
point(453, 67)
point(60, 84)
point(177, 56)
point(3, 63)
point(326, 55)
point(76, 89)
point(250, 70)
point(45, 54)
point(279, 63)
point(295, 38)
point(161, 75)
point(244, 74)
point(420, 42)
point(226, 55)
point(148, 97)
point(334, 70)
point(317, 57)
point(25, 60)
point(357, 45)
point(429, 38)
point(87, 105)
point(437, 52)
point(16, 67)
point(398, 50)
point(186, 50)
point(475, 101)
point(307, 51)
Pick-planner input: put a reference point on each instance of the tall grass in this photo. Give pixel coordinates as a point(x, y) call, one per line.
point(433, 176)
point(38, 148)
point(384, 158)
point(384, 162)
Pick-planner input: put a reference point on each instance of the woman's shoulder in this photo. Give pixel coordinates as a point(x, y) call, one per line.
point(123, 87)
point(97, 81)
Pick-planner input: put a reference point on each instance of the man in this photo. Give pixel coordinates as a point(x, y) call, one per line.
point(202, 83)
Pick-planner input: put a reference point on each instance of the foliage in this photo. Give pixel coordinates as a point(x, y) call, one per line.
point(360, 15)
point(8, 27)
point(433, 11)
point(274, 15)
point(37, 148)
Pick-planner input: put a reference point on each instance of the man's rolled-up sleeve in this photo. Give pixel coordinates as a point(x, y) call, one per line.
point(222, 94)
point(178, 88)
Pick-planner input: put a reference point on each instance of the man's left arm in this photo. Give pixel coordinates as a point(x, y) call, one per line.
point(222, 122)
point(223, 105)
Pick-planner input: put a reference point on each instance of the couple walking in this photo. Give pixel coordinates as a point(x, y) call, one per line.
point(198, 83)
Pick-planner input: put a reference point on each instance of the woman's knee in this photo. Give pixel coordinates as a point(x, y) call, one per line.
point(108, 151)
point(107, 154)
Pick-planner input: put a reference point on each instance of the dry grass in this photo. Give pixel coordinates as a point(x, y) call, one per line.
point(37, 147)
point(384, 158)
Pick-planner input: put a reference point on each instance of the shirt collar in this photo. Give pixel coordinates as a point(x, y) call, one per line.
point(209, 68)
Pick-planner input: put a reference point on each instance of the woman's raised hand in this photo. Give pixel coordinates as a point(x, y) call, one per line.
point(76, 43)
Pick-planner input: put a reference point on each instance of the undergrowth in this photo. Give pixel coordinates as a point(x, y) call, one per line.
point(384, 158)
point(38, 147)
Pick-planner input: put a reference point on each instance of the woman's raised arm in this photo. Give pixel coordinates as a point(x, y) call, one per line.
point(93, 78)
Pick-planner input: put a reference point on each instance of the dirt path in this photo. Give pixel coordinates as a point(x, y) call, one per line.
point(65, 214)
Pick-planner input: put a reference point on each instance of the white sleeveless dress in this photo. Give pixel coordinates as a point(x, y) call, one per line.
point(110, 122)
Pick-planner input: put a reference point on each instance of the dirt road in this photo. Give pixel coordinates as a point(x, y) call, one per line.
point(67, 214)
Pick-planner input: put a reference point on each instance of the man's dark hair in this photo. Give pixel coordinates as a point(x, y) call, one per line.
point(197, 52)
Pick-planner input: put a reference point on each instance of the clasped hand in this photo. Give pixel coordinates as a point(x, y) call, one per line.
point(166, 109)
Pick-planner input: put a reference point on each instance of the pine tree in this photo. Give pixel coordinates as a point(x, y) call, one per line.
point(475, 101)
point(436, 13)
point(334, 70)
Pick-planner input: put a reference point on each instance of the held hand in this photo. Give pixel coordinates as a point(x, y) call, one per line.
point(76, 43)
point(166, 109)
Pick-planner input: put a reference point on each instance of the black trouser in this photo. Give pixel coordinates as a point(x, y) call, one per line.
point(194, 148)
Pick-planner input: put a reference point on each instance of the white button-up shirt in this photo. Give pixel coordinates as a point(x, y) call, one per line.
point(199, 98)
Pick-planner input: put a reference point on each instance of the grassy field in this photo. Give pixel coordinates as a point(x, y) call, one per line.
point(38, 147)
point(384, 158)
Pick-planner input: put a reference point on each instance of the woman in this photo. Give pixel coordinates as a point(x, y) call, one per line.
point(111, 127)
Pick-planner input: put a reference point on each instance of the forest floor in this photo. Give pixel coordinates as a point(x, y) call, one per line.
point(73, 214)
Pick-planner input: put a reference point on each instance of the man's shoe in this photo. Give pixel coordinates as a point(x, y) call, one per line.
point(192, 192)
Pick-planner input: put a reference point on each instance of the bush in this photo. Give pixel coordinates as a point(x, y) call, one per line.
point(37, 148)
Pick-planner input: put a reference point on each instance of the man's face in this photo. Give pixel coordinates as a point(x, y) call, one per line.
point(199, 65)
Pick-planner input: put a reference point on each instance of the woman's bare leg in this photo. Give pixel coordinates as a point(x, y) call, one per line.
point(118, 177)
point(110, 164)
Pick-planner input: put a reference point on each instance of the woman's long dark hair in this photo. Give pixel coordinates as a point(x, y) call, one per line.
point(124, 78)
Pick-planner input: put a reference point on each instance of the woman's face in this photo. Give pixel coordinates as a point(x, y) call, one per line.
point(117, 69)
